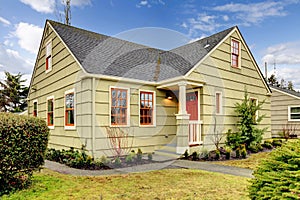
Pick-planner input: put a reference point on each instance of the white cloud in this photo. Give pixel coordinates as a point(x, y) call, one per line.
point(44, 6)
point(254, 12)
point(29, 36)
point(149, 3)
point(285, 53)
point(202, 22)
point(4, 21)
point(12, 61)
point(80, 3)
point(286, 58)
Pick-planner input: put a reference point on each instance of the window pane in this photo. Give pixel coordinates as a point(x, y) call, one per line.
point(70, 100)
point(295, 110)
point(119, 106)
point(295, 116)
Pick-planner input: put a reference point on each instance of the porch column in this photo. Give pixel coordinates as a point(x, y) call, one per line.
point(182, 98)
point(182, 119)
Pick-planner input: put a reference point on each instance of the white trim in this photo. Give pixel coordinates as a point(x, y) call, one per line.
point(289, 113)
point(247, 49)
point(220, 103)
point(48, 23)
point(154, 108)
point(70, 127)
point(51, 55)
point(285, 93)
point(239, 54)
point(128, 106)
point(256, 102)
point(50, 97)
point(37, 105)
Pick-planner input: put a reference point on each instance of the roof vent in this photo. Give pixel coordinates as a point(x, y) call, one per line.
point(206, 46)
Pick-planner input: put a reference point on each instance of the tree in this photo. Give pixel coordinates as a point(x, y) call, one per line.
point(290, 86)
point(13, 93)
point(248, 133)
point(272, 80)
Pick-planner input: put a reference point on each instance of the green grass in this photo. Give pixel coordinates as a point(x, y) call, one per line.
point(251, 162)
point(162, 184)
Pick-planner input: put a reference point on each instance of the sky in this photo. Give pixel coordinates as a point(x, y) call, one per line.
point(270, 28)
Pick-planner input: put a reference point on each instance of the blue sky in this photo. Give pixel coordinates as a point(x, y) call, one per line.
point(270, 28)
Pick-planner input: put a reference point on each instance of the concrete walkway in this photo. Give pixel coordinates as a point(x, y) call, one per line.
point(206, 166)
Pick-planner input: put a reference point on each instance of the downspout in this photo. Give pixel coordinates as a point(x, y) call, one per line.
point(93, 116)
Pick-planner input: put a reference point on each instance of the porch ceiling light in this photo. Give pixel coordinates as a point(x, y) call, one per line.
point(169, 96)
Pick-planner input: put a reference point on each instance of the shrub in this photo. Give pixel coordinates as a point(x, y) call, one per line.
point(104, 160)
point(139, 155)
point(186, 154)
point(248, 132)
point(244, 152)
point(279, 175)
point(204, 154)
point(23, 144)
point(267, 144)
point(194, 156)
point(233, 139)
point(238, 152)
point(129, 159)
point(277, 143)
point(253, 148)
point(117, 162)
point(218, 154)
point(227, 153)
point(150, 156)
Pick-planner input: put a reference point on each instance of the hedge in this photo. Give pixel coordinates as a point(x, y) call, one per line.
point(23, 144)
point(278, 177)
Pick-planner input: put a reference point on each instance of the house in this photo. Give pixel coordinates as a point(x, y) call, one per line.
point(285, 111)
point(85, 84)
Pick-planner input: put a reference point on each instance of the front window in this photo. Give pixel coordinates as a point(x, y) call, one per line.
point(235, 53)
point(218, 103)
point(119, 106)
point(294, 113)
point(146, 108)
point(50, 113)
point(69, 109)
point(255, 103)
point(48, 56)
point(35, 110)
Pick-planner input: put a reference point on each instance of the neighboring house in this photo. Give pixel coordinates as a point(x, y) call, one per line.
point(285, 111)
point(84, 82)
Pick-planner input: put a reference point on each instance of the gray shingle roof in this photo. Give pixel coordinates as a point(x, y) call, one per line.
point(101, 54)
point(294, 93)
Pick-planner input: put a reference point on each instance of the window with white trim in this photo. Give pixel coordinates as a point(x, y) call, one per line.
point(50, 111)
point(294, 113)
point(235, 53)
point(119, 109)
point(218, 103)
point(147, 106)
point(70, 109)
point(254, 101)
point(48, 61)
point(35, 108)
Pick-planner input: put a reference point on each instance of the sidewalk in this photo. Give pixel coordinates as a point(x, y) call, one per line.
point(165, 163)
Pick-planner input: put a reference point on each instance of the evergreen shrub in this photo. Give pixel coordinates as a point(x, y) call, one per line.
point(23, 144)
point(278, 177)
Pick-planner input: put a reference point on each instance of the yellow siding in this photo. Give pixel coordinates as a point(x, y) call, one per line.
point(279, 112)
point(219, 76)
point(63, 76)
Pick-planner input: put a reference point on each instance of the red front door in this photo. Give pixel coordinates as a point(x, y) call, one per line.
point(192, 105)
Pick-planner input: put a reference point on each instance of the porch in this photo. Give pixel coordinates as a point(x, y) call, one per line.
point(188, 118)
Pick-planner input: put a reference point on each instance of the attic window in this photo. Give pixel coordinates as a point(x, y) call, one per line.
point(48, 56)
point(235, 53)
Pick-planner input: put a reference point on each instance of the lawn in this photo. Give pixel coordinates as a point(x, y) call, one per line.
point(162, 184)
point(251, 162)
